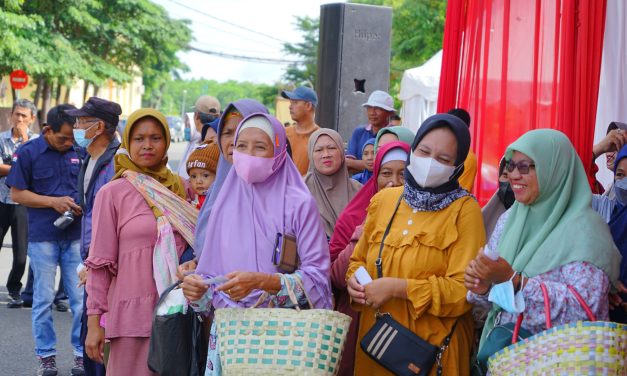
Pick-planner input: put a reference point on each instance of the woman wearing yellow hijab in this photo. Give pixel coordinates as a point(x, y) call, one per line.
point(133, 245)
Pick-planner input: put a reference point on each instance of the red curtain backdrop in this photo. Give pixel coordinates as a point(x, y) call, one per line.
point(522, 65)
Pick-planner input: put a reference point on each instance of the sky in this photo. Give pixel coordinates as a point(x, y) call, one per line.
point(271, 22)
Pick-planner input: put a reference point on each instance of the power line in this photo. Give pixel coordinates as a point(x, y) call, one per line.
point(254, 59)
point(228, 22)
point(228, 32)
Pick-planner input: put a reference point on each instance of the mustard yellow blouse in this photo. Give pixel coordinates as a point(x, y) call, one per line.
point(431, 250)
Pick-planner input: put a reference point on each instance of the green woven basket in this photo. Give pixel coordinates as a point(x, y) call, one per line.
point(279, 341)
point(579, 348)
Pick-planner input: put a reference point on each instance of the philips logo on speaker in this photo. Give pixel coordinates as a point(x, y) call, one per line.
point(366, 35)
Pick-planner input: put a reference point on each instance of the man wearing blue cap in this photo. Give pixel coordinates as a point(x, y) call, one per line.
point(303, 103)
point(379, 108)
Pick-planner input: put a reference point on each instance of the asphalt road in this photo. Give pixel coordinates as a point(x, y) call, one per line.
point(17, 355)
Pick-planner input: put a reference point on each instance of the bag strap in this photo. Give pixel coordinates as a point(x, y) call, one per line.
point(379, 262)
point(443, 347)
point(164, 295)
point(547, 310)
point(583, 304)
point(379, 265)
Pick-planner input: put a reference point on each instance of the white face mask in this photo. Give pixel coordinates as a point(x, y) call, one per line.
point(428, 172)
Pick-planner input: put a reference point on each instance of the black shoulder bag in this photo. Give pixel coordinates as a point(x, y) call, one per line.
point(394, 346)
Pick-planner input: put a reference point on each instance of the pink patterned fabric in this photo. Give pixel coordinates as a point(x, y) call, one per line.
point(590, 282)
point(120, 280)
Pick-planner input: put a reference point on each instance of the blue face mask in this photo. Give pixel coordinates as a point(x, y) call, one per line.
point(620, 189)
point(188, 134)
point(79, 137)
point(503, 296)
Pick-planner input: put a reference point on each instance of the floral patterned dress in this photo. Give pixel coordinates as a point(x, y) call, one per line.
point(589, 281)
point(280, 300)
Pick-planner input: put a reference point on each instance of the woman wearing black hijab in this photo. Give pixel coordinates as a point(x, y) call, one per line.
point(436, 230)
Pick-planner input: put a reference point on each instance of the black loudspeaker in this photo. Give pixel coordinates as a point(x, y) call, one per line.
point(353, 61)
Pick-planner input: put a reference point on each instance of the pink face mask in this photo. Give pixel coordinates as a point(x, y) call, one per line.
point(252, 169)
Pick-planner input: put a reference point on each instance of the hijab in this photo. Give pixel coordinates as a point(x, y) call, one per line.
point(559, 227)
point(438, 198)
point(402, 133)
point(161, 173)
point(618, 223)
point(242, 227)
point(332, 192)
point(244, 107)
point(362, 177)
point(355, 212)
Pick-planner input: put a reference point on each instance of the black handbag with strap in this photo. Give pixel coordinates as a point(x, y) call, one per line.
point(394, 346)
point(178, 343)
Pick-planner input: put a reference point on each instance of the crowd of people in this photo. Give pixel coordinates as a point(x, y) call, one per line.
point(123, 227)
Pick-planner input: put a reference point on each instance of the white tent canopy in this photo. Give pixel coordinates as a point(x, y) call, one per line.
point(419, 92)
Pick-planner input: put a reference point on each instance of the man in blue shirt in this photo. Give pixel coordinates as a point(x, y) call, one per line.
point(94, 132)
point(44, 178)
point(12, 215)
point(379, 108)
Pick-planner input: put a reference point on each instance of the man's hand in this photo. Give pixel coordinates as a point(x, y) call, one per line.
point(22, 132)
point(82, 276)
point(614, 141)
point(63, 204)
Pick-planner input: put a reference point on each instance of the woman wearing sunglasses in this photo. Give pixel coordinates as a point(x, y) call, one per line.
point(550, 235)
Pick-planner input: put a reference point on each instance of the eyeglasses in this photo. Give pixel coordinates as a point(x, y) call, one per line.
point(522, 166)
point(77, 123)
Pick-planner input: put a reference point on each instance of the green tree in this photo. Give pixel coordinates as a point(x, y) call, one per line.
point(226, 92)
point(417, 33)
point(305, 71)
point(58, 42)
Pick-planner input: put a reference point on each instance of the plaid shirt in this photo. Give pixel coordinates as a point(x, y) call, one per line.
point(7, 149)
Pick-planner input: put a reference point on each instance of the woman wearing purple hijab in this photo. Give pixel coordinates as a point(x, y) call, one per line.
point(262, 196)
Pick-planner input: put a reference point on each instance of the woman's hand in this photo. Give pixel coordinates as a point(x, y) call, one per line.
point(186, 268)
point(356, 291)
point(615, 299)
point(379, 291)
point(193, 287)
point(473, 282)
point(490, 271)
point(241, 284)
point(94, 343)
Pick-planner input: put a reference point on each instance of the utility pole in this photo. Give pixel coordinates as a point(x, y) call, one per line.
point(183, 104)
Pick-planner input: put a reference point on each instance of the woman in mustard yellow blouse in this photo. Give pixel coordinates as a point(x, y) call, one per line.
point(435, 232)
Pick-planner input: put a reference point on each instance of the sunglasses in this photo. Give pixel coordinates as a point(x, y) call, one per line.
point(522, 166)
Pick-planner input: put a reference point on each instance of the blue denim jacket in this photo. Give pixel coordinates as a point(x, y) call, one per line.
point(102, 174)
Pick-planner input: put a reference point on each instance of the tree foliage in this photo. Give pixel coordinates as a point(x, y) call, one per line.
point(94, 40)
point(304, 72)
point(226, 92)
point(417, 33)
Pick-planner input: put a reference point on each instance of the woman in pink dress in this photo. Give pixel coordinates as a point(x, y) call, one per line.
point(130, 234)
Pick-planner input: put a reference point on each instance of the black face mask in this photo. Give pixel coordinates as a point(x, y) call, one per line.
point(207, 118)
point(506, 194)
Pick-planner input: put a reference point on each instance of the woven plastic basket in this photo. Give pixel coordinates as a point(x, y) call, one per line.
point(580, 348)
point(280, 341)
point(276, 341)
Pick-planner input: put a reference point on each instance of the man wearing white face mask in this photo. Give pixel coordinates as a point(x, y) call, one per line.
point(94, 132)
